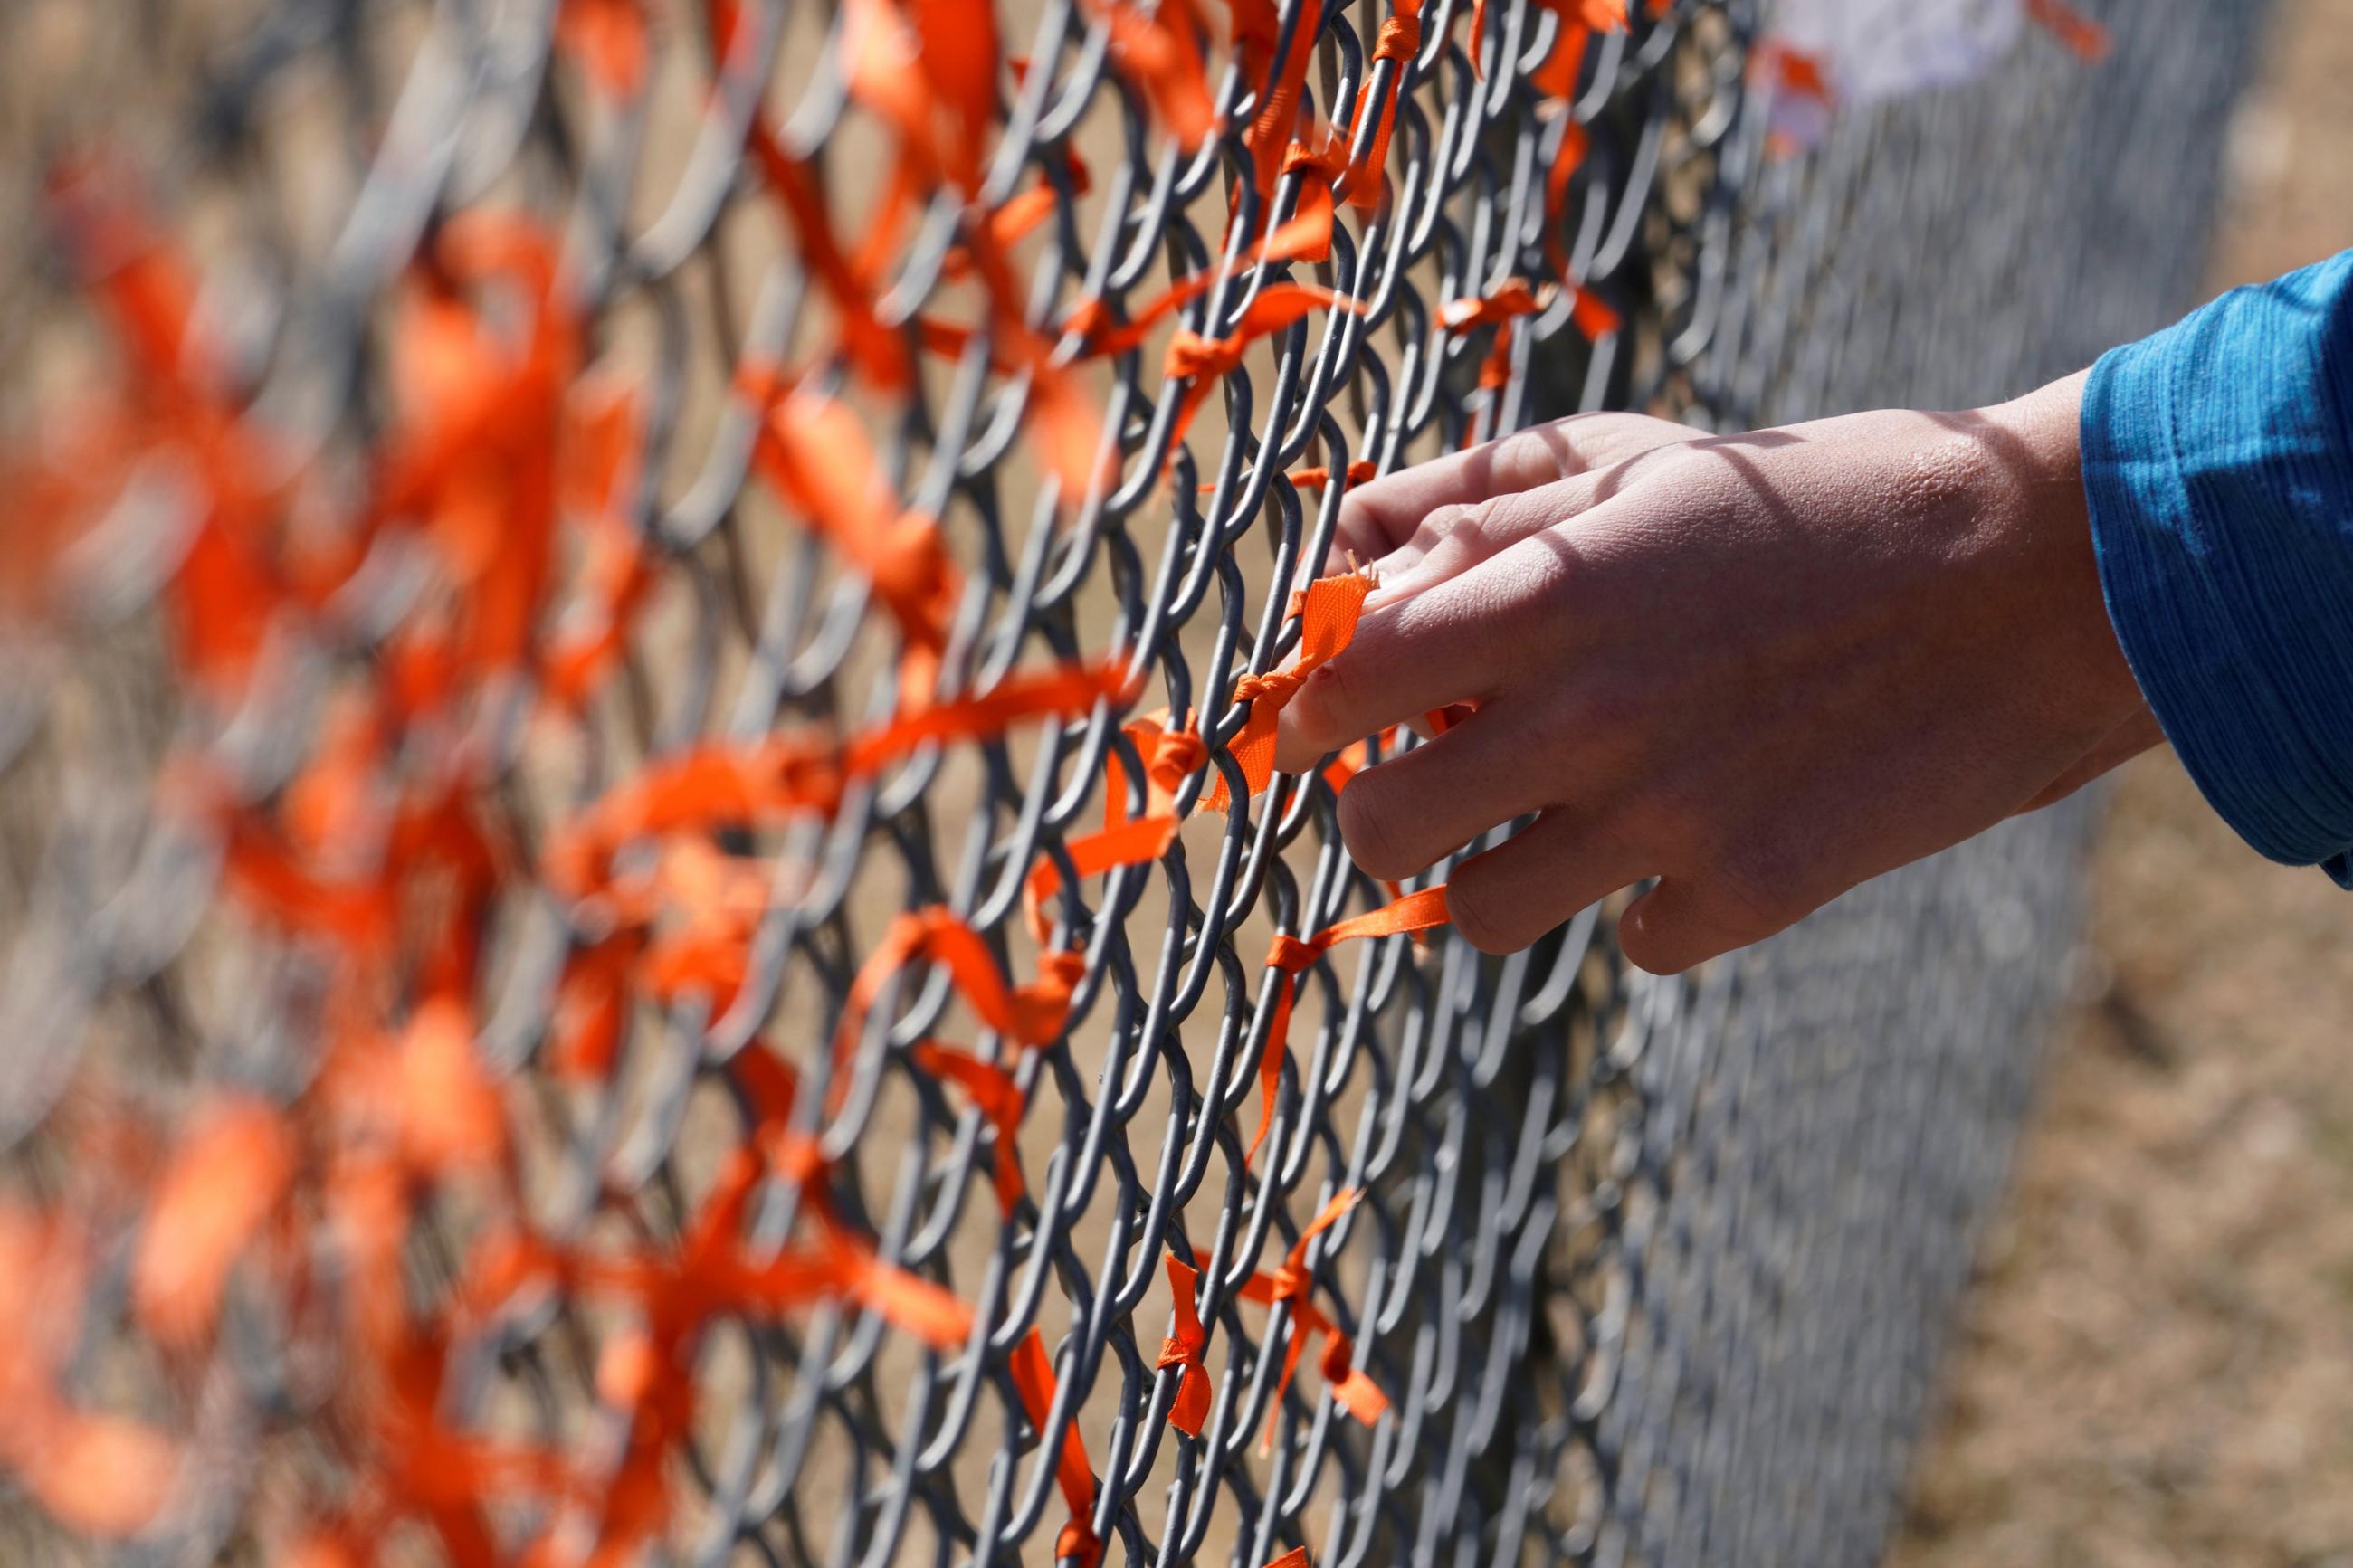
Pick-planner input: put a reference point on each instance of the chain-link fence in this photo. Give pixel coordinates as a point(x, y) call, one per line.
point(609, 952)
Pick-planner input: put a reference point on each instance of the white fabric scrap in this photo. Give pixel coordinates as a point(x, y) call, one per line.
point(1875, 49)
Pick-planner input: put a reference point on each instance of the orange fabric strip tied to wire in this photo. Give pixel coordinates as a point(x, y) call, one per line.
point(1351, 1386)
point(1030, 1016)
point(1292, 1284)
point(1183, 1348)
point(997, 1097)
point(1398, 42)
point(1328, 610)
point(1203, 360)
point(1170, 757)
point(1290, 956)
point(1033, 1378)
point(739, 785)
point(1315, 477)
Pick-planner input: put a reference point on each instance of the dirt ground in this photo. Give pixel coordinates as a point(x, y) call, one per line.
point(2157, 1363)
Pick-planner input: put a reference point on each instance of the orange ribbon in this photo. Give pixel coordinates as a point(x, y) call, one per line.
point(1270, 133)
point(94, 1473)
point(609, 38)
point(1579, 20)
point(1558, 76)
point(1256, 29)
point(1033, 1378)
point(1020, 215)
point(874, 350)
point(1512, 300)
point(1290, 956)
point(220, 1186)
point(1354, 1389)
point(647, 1371)
point(1159, 51)
point(2089, 41)
point(1203, 360)
point(1169, 758)
point(1305, 235)
point(602, 440)
point(1063, 690)
point(1399, 41)
point(726, 786)
point(999, 1102)
point(1127, 844)
point(1182, 1349)
point(1360, 472)
point(1567, 159)
point(720, 897)
point(814, 451)
point(229, 589)
point(1327, 610)
point(1031, 1015)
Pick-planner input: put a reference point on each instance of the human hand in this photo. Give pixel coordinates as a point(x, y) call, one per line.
point(1760, 668)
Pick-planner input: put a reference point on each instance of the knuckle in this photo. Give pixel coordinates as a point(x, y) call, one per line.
point(1507, 518)
point(1444, 522)
point(1731, 893)
point(1360, 528)
point(1373, 827)
point(1757, 890)
point(1662, 829)
point(1548, 583)
point(1596, 440)
point(1477, 915)
point(1598, 710)
point(1514, 608)
point(1681, 469)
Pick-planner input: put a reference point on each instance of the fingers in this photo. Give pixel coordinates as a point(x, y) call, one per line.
point(1411, 812)
point(1454, 539)
point(1377, 518)
point(1452, 643)
point(1507, 898)
point(1686, 920)
point(1381, 517)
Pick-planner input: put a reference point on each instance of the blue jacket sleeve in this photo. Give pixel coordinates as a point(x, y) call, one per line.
point(2218, 460)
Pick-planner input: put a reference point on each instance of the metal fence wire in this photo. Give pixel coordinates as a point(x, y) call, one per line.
point(643, 914)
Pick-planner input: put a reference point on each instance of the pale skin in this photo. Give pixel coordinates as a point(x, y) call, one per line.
point(1758, 669)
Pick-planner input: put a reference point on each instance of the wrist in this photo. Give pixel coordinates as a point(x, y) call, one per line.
point(2037, 442)
point(2040, 438)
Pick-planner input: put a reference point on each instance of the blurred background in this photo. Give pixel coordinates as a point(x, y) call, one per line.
point(2154, 1364)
